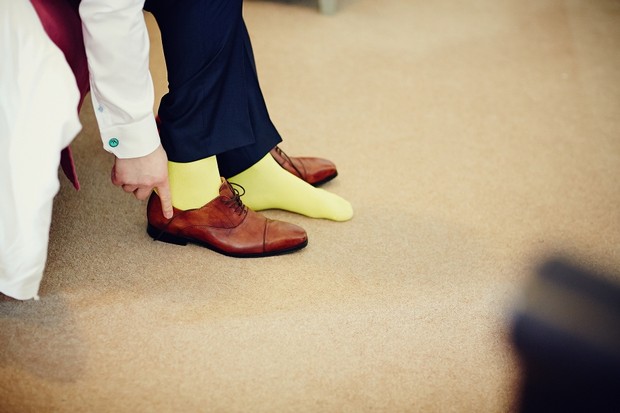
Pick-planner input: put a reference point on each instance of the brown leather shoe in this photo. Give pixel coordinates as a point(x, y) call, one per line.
point(315, 171)
point(226, 226)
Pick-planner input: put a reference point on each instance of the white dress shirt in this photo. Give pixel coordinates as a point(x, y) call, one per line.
point(117, 47)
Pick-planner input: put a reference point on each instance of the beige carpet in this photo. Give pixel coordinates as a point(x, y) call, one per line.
point(474, 138)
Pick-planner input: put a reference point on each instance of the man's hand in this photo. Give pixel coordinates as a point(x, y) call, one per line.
point(141, 175)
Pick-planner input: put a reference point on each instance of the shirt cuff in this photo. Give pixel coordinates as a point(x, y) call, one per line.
point(132, 140)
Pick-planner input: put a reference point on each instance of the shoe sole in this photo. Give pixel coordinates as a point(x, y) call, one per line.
point(159, 235)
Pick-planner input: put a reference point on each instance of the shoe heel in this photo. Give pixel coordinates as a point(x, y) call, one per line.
point(158, 235)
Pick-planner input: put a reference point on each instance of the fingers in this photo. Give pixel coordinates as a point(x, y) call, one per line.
point(143, 174)
point(130, 188)
point(166, 200)
point(142, 193)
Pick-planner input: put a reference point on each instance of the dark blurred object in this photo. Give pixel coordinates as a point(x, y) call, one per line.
point(567, 335)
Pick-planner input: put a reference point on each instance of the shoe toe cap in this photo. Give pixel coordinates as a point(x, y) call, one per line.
point(318, 169)
point(284, 236)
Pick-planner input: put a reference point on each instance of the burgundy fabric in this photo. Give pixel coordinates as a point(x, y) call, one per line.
point(61, 21)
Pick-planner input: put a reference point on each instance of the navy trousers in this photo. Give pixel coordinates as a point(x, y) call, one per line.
point(214, 105)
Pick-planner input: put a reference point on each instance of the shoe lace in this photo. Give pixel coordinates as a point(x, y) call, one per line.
point(288, 159)
point(235, 201)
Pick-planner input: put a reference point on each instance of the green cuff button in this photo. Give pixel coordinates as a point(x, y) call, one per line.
point(113, 142)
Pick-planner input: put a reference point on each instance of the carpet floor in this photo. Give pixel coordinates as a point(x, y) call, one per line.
point(474, 140)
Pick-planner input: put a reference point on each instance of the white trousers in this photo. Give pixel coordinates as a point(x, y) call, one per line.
point(38, 118)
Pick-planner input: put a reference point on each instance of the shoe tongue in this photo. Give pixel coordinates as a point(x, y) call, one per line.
point(226, 189)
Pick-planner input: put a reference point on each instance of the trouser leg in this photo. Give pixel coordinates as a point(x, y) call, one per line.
point(266, 135)
point(38, 118)
point(214, 105)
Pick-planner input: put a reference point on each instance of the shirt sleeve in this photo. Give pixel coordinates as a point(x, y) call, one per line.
point(117, 48)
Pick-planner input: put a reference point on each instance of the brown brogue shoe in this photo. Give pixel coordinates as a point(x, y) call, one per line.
point(226, 226)
point(315, 171)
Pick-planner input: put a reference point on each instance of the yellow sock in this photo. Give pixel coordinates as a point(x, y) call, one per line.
point(193, 184)
point(268, 186)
